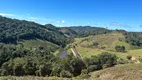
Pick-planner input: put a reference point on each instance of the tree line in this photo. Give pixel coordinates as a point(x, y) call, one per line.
point(40, 62)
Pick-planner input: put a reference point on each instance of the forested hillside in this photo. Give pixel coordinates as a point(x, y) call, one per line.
point(133, 38)
point(12, 31)
point(83, 31)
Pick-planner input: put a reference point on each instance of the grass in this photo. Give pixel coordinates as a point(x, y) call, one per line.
point(110, 40)
point(35, 43)
point(31, 78)
point(120, 72)
point(88, 52)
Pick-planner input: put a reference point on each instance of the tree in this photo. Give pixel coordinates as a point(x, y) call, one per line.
point(107, 59)
point(129, 57)
point(29, 67)
point(123, 48)
point(120, 48)
point(45, 69)
point(92, 68)
point(60, 65)
point(77, 65)
point(95, 43)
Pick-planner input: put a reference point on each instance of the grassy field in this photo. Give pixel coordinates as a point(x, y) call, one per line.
point(31, 78)
point(36, 43)
point(120, 72)
point(109, 41)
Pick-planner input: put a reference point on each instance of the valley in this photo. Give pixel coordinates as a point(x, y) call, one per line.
point(32, 50)
point(70, 39)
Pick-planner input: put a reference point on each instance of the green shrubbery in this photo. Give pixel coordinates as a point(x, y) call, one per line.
point(120, 48)
point(129, 57)
point(100, 61)
point(42, 63)
point(12, 31)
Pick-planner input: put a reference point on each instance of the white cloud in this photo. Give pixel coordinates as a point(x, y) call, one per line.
point(57, 25)
point(33, 20)
point(39, 19)
point(63, 21)
point(29, 17)
point(58, 21)
point(113, 24)
point(7, 15)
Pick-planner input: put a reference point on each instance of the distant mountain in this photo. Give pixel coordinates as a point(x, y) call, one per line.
point(83, 31)
point(82, 28)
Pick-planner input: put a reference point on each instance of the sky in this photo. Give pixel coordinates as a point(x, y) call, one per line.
point(111, 14)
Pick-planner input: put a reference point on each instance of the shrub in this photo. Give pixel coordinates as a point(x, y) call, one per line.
point(129, 57)
point(84, 71)
point(92, 68)
point(95, 43)
point(140, 58)
point(66, 74)
point(107, 59)
point(122, 61)
point(120, 48)
point(84, 74)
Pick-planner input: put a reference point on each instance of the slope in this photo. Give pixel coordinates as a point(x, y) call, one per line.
point(105, 43)
point(119, 72)
point(13, 31)
point(83, 31)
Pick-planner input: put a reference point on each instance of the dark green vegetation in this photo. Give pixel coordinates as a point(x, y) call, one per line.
point(39, 62)
point(13, 31)
point(120, 48)
point(83, 31)
point(27, 48)
point(134, 38)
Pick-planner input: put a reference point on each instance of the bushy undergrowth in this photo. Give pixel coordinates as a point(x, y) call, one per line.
point(43, 63)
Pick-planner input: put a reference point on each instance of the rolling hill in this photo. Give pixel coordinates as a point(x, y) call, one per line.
point(29, 48)
point(83, 31)
point(105, 43)
point(120, 72)
point(13, 31)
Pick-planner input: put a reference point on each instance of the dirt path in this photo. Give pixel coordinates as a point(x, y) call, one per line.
point(75, 52)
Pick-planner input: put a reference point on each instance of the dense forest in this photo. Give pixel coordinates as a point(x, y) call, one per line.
point(12, 31)
point(20, 61)
point(133, 38)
